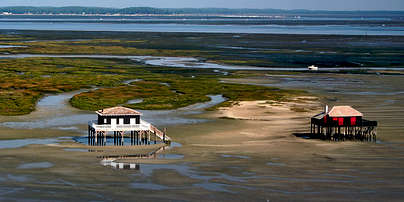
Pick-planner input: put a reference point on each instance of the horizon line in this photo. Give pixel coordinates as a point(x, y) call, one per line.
point(282, 9)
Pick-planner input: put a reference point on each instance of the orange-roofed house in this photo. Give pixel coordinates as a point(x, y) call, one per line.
point(116, 116)
point(120, 122)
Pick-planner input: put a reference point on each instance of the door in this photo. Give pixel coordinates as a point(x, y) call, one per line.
point(113, 123)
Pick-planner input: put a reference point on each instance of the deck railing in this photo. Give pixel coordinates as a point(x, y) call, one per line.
point(125, 127)
point(142, 126)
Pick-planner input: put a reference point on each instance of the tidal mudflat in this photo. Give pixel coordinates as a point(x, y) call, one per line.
point(247, 150)
point(244, 149)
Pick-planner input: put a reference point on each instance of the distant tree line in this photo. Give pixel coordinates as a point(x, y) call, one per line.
point(201, 11)
point(81, 10)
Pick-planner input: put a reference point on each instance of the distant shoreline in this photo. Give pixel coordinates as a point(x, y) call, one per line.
point(146, 11)
point(145, 15)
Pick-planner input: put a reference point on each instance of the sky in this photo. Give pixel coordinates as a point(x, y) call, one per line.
point(277, 4)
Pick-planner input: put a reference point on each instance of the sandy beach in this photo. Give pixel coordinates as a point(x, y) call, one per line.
point(257, 127)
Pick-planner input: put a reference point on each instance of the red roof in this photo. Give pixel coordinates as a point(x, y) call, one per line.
point(344, 111)
point(117, 111)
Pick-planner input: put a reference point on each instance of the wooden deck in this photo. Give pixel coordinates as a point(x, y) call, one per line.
point(142, 133)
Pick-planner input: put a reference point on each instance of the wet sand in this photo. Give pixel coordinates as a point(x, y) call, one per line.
point(246, 153)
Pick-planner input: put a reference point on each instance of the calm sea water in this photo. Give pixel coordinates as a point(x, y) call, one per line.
point(177, 26)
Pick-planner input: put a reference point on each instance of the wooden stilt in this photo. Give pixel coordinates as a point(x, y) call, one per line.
point(96, 136)
point(105, 138)
point(148, 137)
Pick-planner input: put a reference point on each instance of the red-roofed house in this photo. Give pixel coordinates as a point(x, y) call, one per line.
point(344, 116)
point(341, 120)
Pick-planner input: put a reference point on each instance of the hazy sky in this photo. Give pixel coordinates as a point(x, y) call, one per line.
point(283, 4)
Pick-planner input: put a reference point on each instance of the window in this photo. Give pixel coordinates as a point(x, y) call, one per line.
point(341, 121)
point(353, 121)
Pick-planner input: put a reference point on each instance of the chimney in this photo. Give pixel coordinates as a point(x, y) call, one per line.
point(326, 109)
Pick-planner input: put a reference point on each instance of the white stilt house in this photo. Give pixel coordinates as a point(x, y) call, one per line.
point(121, 121)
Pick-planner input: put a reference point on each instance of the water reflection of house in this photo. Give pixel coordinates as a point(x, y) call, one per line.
point(120, 165)
point(342, 122)
point(120, 122)
point(110, 159)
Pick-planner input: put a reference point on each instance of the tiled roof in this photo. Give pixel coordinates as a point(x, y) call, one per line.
point(117, 111)
point(344, 111)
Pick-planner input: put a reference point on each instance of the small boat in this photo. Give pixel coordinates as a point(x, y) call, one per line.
point(312, 68)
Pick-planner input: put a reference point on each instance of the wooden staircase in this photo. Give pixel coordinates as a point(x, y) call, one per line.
point(162, 135)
